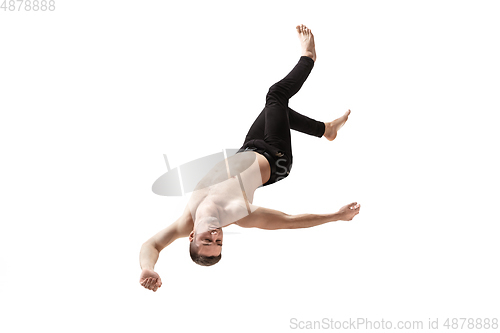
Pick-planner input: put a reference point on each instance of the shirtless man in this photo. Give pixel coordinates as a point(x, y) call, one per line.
point(225, 195)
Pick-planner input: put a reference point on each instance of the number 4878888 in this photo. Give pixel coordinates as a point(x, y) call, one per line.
point(28, 5)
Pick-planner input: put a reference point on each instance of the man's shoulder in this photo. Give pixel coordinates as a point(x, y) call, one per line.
point(185, 223)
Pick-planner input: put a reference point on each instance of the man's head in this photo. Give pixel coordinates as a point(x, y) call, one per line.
point(205, 247)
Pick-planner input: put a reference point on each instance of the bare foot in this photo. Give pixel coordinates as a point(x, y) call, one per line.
point(332, 127)
point(306, 41)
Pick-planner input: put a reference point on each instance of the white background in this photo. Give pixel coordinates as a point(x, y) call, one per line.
point(93, 93)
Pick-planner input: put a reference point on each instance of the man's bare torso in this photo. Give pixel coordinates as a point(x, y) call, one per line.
point(228, 189)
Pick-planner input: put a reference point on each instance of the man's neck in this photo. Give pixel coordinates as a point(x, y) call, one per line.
point(207, 209)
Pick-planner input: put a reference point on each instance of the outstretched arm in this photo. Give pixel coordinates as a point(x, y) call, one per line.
point(151, 249)
point(270, 219)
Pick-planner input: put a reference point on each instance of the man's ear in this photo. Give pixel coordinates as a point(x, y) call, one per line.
point(191, 236)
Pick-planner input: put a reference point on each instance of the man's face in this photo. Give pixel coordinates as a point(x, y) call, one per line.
point(209, 243)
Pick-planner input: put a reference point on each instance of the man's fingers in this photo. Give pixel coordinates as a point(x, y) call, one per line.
point(156, 284)
point(151, 283)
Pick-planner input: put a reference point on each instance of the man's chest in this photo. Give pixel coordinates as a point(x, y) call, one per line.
point(231, 199)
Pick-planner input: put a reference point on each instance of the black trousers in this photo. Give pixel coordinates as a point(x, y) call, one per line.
point(270, 132)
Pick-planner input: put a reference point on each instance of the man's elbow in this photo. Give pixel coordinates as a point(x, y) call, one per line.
point(283, 222)
point(150, 244)
point(293, 222)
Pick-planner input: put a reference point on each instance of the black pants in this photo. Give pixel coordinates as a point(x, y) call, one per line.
point(270, 132)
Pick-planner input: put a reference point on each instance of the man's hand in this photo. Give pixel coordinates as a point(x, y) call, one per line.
point(150, 279)
point(347, 212)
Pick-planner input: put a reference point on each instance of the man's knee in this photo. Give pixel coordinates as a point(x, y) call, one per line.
point(275, 94)
point(274, 89)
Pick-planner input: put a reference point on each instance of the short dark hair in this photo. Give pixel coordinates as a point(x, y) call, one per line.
point(200, 259)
